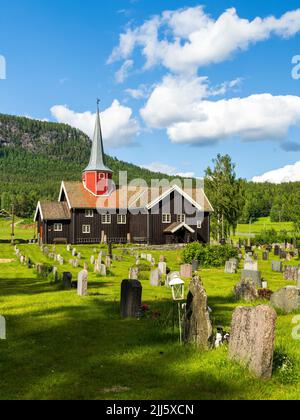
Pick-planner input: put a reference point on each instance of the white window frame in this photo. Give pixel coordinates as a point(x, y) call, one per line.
point(89, 214)
point(58, 227)
point(121, 219)
point(167, 218)
point(86, 229)
point(106, 219)
point(199, 224)
point(181, 218)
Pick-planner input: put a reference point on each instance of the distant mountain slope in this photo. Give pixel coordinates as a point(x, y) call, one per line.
point(35, 156)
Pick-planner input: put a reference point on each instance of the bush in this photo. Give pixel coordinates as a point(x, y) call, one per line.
point(209, 256)
point(268, 237)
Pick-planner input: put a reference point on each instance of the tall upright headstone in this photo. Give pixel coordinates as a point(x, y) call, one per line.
point(131, 298)
point(67, 280)
point(197, 324)
point(162, 266)
point(82, 283)
point(252, 339)
point(155, 278)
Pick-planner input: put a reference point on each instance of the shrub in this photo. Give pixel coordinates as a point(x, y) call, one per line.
point(209, 256)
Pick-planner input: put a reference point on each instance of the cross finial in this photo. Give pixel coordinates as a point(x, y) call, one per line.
point(98, 103)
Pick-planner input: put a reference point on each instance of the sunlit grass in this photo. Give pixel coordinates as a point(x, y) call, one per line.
point(61, 346)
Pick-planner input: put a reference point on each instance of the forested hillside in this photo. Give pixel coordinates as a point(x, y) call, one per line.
point(35, 156)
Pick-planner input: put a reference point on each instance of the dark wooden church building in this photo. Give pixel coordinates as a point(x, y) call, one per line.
point(94, 211)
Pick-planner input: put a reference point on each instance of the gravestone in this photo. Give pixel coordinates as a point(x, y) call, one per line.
point(287, 299)
point(67, 280)
point(69, 249)
point(92, 260)
point(251, 266)
point(55, 274)
point(277, 266)
point(75, 263)
point(155, 278)
point(131, 298)
point(230, 267)
point(133, 273)
point(195, 265)
point(103, 271)
point(186, 271)
point(74, 253)
point(170, 277)
point(82, 283)
point(265, 256)
point(291, 273)
point(108, 262)
point(252, 276)
point(252, 339)
point(283, 255)
point(79, 255)
point(197, 324)
point(162, 266)
point(143, 256)
point(246, 290)
point(149, 258)
point(162, 258)
point(277, 250)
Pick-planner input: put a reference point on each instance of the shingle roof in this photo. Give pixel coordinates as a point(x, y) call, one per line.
point(55, 211)
point(123, 198)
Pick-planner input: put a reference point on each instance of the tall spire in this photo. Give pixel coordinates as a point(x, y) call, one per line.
point(97, 160)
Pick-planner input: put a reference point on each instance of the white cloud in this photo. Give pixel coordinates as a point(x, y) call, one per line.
point(175, 100)
point(119, 128)
point(123, 73)
point(180, 106)
point(168, 170)
point(187, 39)
point(289, 173)
point(141, 92)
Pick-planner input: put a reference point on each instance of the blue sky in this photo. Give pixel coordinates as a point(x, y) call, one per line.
point(224, 87)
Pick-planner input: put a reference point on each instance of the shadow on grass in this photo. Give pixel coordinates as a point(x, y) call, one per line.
point(83, 352)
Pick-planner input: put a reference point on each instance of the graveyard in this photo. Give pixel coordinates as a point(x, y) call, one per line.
point(62, 344)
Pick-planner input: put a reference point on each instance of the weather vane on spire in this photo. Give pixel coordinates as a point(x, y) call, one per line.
point(98, 103)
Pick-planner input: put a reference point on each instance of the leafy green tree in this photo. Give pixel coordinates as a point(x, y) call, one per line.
point(226, 192)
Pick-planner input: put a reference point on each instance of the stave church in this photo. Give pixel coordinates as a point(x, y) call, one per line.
point(94, 210)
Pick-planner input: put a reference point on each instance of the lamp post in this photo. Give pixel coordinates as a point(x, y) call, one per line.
point(177, 286)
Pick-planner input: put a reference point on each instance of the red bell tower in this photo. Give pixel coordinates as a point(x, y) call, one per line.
point(97, 176)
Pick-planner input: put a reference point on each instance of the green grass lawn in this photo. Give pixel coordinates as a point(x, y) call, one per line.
point(61, 346)
point(24, 229)
point(263, 224)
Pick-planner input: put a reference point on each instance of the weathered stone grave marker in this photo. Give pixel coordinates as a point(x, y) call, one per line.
point(162, 266)
point(252, 339)
point(82, 285)
point(277, 266)
point(186, 271)
point(133, 273)
point(155, 278)
point(252, 276)
point(251, 265)
point(230, 267)
point(197, 324)
point(287, 299)
point(246, 290)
